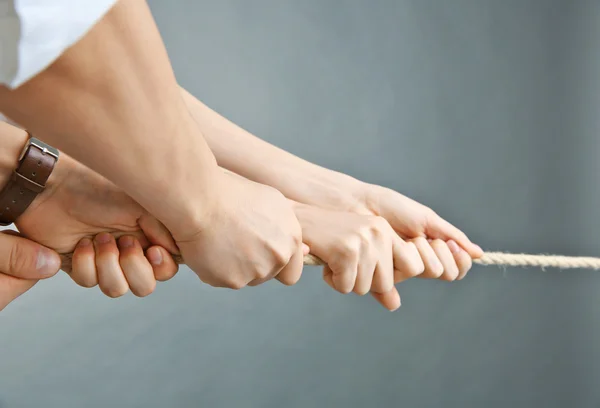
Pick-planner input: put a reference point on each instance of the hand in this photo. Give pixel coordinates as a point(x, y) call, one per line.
point(79, 204)
point(22, 264)
point(251, 236)
point(364, 254)
point(119, 265)
point(412, 220)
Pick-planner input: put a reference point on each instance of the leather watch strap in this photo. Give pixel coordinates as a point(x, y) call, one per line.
point(28, 180)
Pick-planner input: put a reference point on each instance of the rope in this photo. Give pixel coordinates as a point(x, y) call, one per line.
point(539, 261)
point(489, 258)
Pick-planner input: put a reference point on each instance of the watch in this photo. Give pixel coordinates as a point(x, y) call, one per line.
point(29, 179)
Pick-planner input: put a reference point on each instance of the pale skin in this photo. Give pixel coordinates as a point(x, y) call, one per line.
point(82, 204)
point(105, 119)
point(112, 103)
point(22, 264)
point(249, 156)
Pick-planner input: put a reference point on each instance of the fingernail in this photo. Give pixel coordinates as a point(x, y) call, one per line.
point(126, 242)
point(478, 247)
point(84, 243)
point(154, 256)
point(103, 238)
point(305, 249)
point(453, 246)
point(47, 263)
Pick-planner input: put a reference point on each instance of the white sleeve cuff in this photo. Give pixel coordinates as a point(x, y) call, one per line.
point(34, 33)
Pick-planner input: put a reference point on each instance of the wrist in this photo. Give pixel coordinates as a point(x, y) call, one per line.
point(24, 174)
point(13, 140)
point(185, 184)
point(64, 167)
point(329, 189)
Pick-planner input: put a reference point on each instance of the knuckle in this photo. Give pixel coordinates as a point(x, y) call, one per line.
point(87, 281)
point(451, 274)
point(145, 291)
point(297, 238)
point(417, 267)
point(423, 219)
point(235, 284)
point(437, 270)
point(437, 243)
point(289, 280)
point(115, 292)
point(419, 241)
point(412, 272)
point(378, 224)
point(19, 259)
point(361, 291)
point(166, 275)
point(350, 248)
point(262, 274)
point(280, 258)
point(429, 215)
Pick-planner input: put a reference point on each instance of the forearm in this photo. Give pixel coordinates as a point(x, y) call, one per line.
point(112, 103)
point(245, 154)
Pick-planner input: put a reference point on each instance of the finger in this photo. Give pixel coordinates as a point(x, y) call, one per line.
point(83, 270)
point(344, 268)
point(445, 256)
point(11, 288)
point(383, 278)
point(110, 275)
point(136, 268)
point(390, 300)
point(158, 234)
point(163, 264)
point(439, 228)
point(328, 277)
point(270, 276)
point(23, 258)
point(407, 260)
point(291, 273)
point(367, 262)
point(366, 257)
point(433, 266)
point(462, 259)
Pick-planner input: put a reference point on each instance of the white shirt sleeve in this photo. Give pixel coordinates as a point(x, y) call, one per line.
point(34, 33)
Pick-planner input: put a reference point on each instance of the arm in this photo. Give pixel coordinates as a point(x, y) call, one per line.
point(305, 182)
point(243, 153)
point(112, 102)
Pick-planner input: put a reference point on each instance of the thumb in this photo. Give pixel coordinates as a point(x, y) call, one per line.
point(23, 258)
point(439, 228)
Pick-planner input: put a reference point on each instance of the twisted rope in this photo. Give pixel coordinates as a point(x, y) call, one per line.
point(489, 258)
point(539, 261)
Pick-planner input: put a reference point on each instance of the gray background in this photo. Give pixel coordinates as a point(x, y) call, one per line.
point(485, 110)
